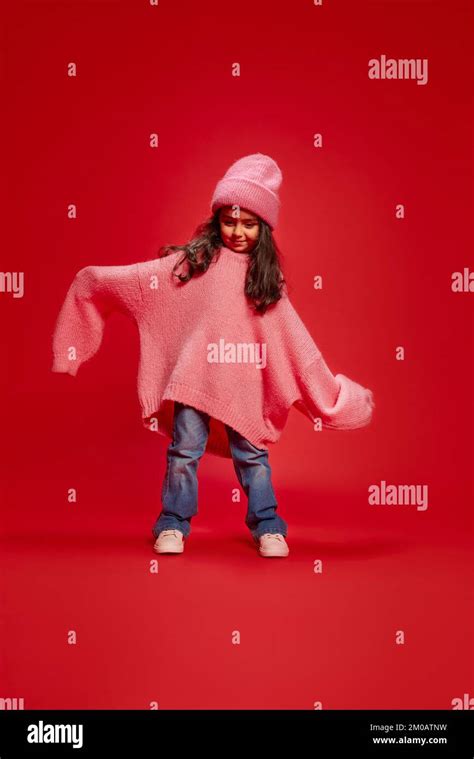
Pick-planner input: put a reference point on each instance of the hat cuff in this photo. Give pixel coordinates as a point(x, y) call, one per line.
point(247, 194)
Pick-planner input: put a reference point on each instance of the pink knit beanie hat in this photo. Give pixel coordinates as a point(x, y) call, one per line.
point(251, 182)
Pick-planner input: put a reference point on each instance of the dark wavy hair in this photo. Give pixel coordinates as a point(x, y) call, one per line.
point(264, 280)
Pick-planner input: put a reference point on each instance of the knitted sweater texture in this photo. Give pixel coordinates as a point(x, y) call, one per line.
point(201, 343)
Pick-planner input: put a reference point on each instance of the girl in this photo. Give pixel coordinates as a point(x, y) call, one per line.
point(223, 353)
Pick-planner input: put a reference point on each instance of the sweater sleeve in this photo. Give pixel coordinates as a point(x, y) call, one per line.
point(338, 401)
point(95, 293)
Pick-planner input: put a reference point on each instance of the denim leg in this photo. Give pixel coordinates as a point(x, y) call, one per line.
point(179, 494)
point(254, 474)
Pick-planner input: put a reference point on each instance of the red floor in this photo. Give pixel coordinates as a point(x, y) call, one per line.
point(168, 636)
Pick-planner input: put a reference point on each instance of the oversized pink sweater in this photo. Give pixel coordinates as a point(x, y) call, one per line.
point(202, 344)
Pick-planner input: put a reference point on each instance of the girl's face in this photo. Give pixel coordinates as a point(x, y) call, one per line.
point(239, 234)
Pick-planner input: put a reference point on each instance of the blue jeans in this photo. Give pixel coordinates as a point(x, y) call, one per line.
point(179, 493)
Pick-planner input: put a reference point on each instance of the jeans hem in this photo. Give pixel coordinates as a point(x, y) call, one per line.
point(169, 528)
point(274, 531)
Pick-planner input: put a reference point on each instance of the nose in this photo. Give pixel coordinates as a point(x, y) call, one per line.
point(238, 229)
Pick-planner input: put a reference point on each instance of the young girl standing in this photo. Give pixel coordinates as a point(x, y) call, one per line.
point(223, 353)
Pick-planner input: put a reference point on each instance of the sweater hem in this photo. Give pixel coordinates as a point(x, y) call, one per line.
point(218, 409)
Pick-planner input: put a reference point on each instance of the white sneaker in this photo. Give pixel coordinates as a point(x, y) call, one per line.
point(169, 541)
point(273, 544)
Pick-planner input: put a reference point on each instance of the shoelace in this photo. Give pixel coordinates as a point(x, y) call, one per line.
point(275, 535)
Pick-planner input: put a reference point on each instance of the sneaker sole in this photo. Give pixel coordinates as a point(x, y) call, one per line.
point(177, 549)
point(271, 555)
point(168, 550)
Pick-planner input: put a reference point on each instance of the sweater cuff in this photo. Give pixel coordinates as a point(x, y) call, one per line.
point(339, 401)
point(354, 406)
point(64, 365)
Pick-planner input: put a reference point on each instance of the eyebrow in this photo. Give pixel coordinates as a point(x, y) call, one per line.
point(228, 216)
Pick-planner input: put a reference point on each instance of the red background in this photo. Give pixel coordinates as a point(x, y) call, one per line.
point(305, 637)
